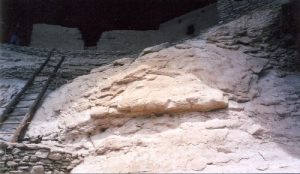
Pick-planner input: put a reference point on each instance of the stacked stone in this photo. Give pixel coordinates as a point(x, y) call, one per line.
point(35, 159)
point(233, 9)
point(77, 63)
point(25, 50)
point(279, 55)
point(269, 44)
point(45, 51)
point(15, 65)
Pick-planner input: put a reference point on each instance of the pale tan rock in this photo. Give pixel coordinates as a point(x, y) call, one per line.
point(37, 170)
point(198, 164)
point(57, 172)
point(112, 145)
point(42, 154)
point(262, 167)
point(255, 129)
point(11, 164)
point(55, 156)
point(145, 90)
point(154, 48)
point(215, 124)
point(234, 106)
point(221, 158)
point(170, 92)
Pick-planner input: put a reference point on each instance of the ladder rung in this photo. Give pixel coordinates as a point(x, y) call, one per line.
point(10, 123)
point(6, 133)
point(22, 107)
point(17, 115)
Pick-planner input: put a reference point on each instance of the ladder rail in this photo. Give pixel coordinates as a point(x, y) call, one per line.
point(10, 106)
point(21, 129)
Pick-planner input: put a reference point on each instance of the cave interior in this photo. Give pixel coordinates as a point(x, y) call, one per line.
point(91, 17)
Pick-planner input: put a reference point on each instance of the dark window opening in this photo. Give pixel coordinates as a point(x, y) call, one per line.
point(190, 30)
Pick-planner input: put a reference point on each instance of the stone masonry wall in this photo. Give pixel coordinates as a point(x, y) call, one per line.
point(54, 36)
point(232, 9)
point(174, 30)
point(35, 159)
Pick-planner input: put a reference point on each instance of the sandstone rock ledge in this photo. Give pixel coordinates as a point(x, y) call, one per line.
point(138, 92)
point(145, 90)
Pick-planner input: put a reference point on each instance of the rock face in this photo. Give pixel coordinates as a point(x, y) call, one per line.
point(145, 90)
point(259, 35)
point(147, 114)
point(155, 48)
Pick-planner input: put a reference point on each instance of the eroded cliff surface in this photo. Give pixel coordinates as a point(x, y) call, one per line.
point(225, 101)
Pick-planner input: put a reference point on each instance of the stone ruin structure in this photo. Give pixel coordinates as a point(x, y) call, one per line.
point(211, 87)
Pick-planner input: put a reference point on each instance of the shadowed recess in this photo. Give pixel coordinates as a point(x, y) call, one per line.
point(92, 17)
